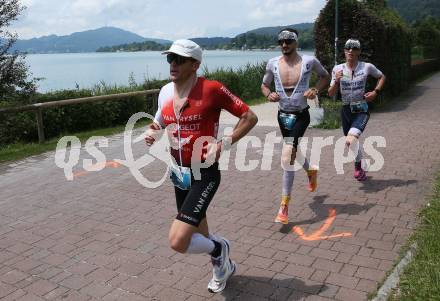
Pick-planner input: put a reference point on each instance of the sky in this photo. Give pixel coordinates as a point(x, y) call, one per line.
point(165, 19)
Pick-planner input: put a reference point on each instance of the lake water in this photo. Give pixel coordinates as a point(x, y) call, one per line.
point(67, 70)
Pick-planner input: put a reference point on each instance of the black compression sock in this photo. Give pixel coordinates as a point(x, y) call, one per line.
point(217, 249)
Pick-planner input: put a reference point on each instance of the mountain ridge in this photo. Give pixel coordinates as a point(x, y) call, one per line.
point(83, 41)
point(107, 37)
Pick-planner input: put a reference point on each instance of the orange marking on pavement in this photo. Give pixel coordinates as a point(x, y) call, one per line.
point(112, 164)
point(317, 235)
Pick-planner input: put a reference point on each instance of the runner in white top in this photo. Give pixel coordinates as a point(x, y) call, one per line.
point(291, 73)
point(350, 79)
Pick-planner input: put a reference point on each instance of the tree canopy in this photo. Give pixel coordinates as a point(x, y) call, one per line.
point(14, 82)
point(384, 36)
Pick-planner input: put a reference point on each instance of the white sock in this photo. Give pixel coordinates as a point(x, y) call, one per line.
point(200, 244)
point(288, 177)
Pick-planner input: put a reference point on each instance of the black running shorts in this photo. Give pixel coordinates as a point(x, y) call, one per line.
point(193, 203)
point(299, 128)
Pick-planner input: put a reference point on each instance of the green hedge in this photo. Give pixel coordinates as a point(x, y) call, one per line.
point(384, 36)
point(332, 114)
point(21, 127)
point(244, 82)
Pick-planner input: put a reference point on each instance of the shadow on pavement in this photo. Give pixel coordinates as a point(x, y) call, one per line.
point(253, 288)
point(374, 185)
point(321, 211)
point(401, 102)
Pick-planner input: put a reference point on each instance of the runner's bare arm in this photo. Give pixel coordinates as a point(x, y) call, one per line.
point(334, 86)
point(265, 86)
point(322, 83)
point(265, 90)
point(381, 83)
point(370, 96)
point(324, 79)
point(151, 133)
point(247, 121)
point(270, 96)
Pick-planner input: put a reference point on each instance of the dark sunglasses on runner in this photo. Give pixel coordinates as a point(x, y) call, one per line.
point(180, 60)
point(348, 48)
point(288, 42)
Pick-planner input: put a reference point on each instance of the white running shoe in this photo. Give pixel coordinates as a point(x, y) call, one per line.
point(223, 268)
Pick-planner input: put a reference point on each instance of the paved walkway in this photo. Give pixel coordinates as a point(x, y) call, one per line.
point(103, 236)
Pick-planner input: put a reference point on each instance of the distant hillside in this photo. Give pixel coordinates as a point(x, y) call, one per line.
point(85, 41)
point(266, 37)
point(413, 10)
point(260, 38)
point(275, 29)
point(133, 47)
point(212, 43)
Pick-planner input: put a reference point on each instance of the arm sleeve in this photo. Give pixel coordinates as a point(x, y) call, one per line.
point(373, 71)
point(229, 102)
point(318, 68)
point(268, 75)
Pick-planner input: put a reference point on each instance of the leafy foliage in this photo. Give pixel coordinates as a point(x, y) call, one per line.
point(413, 10)
point(332, 114)
point(427, 36)
point(245, 82)
point(74, 118)
point(14, 83)
point(385, 38)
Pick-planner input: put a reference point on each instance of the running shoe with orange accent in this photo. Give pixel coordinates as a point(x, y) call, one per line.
point(283, 212)
point(312, 174)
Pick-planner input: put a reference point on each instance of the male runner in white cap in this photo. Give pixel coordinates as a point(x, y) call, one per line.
point(189, 107)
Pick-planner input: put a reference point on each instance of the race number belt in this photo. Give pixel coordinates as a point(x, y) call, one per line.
point(181, 177)
point(359, 107)
point(287, 120)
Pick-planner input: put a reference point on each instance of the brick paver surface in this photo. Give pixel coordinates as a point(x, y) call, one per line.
point(103, 236)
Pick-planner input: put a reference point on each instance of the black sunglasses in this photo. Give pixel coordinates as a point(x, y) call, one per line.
point(288, 42)
point(348, 48)
point(180, 60)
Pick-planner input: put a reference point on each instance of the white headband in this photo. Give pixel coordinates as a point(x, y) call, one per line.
point(352, 43)
point(287, 35)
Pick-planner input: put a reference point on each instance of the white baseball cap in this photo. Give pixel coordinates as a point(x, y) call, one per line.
point(186, 48)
